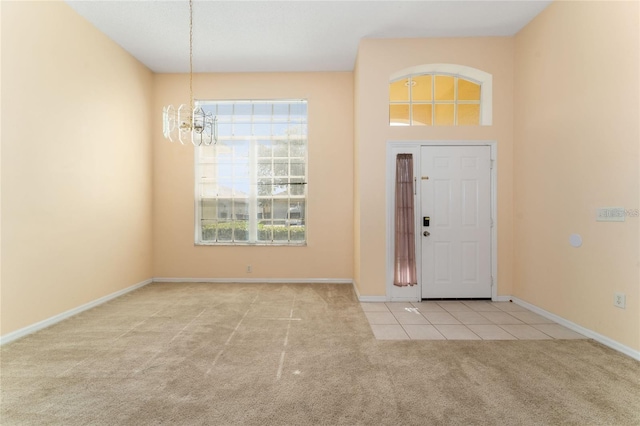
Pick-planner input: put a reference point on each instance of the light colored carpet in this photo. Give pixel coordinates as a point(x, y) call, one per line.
point(295, 354)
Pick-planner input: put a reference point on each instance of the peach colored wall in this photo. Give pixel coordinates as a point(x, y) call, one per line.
point(577, 135)
point(356, 175)
point(76, 164)
point(0, 170)
point(377, 60)
point(329, 252)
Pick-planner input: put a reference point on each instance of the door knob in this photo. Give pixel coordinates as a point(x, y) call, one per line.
point(426, 233)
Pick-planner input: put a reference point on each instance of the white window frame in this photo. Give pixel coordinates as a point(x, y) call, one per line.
point(484, 79)
point(254, 197)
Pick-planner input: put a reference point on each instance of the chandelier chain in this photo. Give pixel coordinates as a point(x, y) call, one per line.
point(191, 54)
point(185, 121)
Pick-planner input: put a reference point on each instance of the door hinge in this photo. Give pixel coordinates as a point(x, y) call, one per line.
point(491, 164)
point(492, 222)
point(491, 281)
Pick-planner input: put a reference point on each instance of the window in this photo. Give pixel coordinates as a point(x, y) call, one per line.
point(440, 95)
point(434, 99)
point(251, 186)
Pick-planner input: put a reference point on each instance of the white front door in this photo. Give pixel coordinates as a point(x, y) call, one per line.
point(456, 199)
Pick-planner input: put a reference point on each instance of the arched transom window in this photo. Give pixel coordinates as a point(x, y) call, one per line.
point(440, 98)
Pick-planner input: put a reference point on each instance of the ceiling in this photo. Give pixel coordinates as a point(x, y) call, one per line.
point(294, 35)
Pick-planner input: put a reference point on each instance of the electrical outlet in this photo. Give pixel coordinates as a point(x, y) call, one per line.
point(248, 269)
point(619, 300)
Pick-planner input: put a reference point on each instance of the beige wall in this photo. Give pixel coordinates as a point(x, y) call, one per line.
point(329, 252)
point(577, 135)
point(377, 60)
point(0, 170)
point(76, 164)
point(356, 175)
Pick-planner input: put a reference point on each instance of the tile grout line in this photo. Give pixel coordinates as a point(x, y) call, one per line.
point(481, 313)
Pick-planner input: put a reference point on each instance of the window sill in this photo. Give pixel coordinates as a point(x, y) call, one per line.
point(229, 244)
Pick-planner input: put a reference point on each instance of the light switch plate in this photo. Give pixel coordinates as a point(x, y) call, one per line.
point(610, 214)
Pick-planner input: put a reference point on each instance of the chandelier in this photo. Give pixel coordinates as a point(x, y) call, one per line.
point(188, 122)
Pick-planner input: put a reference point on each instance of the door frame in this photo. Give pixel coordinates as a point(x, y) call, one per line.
point(414, 293)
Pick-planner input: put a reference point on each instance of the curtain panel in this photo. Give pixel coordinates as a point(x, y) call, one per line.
point(405, 250)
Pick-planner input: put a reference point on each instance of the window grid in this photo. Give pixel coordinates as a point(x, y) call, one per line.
point(275, 150)
point(433, 102)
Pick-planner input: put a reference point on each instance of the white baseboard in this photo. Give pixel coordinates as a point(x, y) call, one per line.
point(256, 280)
point(502, 299)
point(368, 298)
point(580, 329)
point(405, 300)
point(9, 337)
point(372, 298)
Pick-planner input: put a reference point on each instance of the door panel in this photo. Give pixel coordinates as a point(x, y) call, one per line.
point(442, 264)
point(456, 196)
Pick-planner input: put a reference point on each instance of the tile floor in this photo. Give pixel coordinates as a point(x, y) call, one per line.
point(461, 320)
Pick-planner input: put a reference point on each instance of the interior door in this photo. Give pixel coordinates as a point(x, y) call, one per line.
point(456, 221)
